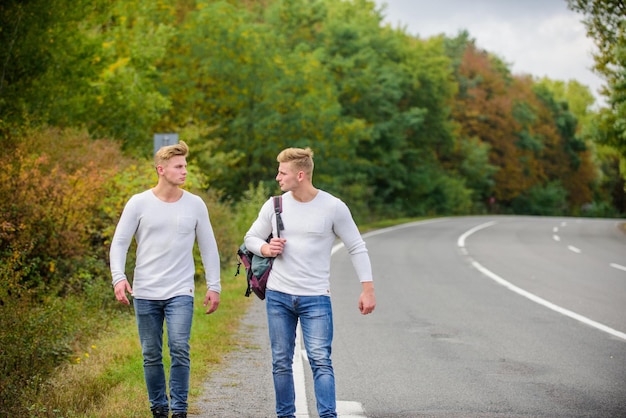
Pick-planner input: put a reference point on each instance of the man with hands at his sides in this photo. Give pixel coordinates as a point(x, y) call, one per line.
point(165, 222)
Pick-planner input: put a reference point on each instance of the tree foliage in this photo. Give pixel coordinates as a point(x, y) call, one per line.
point(532, 136)
point(399, 124)
point(605, 21)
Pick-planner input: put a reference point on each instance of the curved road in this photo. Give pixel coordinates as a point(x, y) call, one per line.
point(476, 317)
point(485, 317)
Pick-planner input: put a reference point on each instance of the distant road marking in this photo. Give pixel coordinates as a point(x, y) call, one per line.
point(533, 297)
point(556, 238)
point(618, 266)
point(395, 228)
point(574, 249)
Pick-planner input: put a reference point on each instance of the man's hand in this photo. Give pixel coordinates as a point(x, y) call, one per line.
point(273, 248)
point(367, 300)
point(120, 289)
point(212, 300)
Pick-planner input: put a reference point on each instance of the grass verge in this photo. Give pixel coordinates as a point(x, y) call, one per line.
point(105, 378)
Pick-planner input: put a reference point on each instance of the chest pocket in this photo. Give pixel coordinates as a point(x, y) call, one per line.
point(186, 225)
point(316, 226)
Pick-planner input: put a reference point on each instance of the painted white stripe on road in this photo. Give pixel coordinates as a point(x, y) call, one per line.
point(461, 241)
point(346, 409)
point(574, 249)
point(548, 304)
point(302, 409)
point(533, 297)
point(618, 266)
point(556, 238)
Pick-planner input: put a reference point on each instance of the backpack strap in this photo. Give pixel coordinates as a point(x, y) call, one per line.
point(278, 208)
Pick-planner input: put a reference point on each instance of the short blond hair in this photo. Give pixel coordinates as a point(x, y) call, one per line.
point(164, 154)
point(301, 159)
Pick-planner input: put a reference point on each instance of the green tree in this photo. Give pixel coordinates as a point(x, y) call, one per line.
point(124, 100)
point(399, 87)
point(85, 64)
point(579, 98)
point(40, 45)
point(243, 83)
point(605, 21)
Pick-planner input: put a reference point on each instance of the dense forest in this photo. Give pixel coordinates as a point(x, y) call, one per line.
point(401, 127)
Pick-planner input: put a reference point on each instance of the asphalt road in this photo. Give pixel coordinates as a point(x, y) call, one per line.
point(476, 317)
point(446, 340)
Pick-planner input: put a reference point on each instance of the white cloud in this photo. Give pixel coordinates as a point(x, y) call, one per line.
point(537, 37)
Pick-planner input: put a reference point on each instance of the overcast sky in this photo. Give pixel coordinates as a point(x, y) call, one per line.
point(537, 37)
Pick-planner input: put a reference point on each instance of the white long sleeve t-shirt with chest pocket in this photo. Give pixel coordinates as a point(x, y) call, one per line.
point(311, 228)
point(165, 233)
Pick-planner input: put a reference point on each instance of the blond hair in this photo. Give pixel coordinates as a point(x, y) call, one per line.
point(164, 154)
point(301, 159)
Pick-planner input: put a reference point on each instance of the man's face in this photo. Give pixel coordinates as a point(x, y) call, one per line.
point(287, 177)
point(174, 171)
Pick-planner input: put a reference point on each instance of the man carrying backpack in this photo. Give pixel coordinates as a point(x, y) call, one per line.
point(298, 288)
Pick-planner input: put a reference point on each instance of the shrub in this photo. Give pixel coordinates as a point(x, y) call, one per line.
point(548, 200)
point(53, 275)
point(49, 192)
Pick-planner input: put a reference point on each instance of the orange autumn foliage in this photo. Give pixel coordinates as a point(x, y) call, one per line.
point(522, 128)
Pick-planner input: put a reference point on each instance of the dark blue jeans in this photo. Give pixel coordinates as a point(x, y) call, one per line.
point(177, 313)
point(316, 320)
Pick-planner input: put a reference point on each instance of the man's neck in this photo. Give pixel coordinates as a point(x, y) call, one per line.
point(167, 193)
point(305, 193)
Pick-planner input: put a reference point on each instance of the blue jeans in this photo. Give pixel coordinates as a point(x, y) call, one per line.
point(316, 320)
point(177, 313)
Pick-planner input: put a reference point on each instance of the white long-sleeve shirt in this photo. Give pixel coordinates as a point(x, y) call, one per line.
point(303, 269)
point(165, 234)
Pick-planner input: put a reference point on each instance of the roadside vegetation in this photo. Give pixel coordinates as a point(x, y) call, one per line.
point(401, 127)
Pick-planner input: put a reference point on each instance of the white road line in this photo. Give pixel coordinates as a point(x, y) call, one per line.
point(302, 409)
point(393, 228)
point(574, 249)
point(461, 241)
point(618, 266)
point(346, 409)
point(556, 238)
point(533, 297)
point(548, 304)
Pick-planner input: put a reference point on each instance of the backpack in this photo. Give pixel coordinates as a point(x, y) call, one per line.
point(257, 267)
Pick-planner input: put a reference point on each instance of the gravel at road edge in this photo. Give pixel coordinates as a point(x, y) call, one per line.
point(242, 386)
